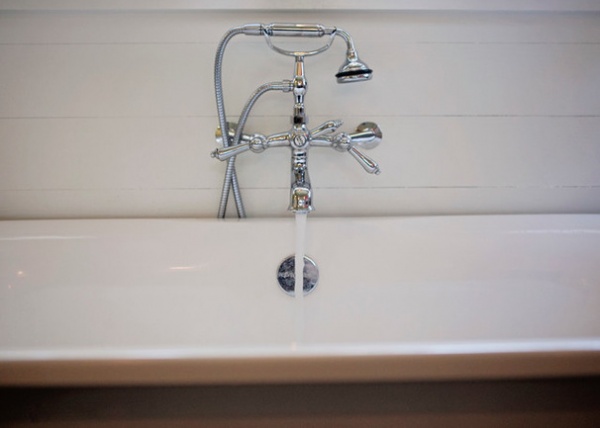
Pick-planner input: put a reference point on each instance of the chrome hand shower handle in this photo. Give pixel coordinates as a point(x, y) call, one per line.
point(298, 30)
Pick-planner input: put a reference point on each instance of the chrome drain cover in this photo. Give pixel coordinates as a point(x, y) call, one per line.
point(286, 276)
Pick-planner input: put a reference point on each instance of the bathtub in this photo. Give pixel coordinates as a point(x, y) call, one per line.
point(184, 301)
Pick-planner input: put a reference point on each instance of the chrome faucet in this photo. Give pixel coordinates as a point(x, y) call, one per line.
point(299, 138)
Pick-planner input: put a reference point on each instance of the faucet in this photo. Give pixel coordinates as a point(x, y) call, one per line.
point(299, 138)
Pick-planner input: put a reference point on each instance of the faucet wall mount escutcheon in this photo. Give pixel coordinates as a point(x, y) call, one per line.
point(299, 138)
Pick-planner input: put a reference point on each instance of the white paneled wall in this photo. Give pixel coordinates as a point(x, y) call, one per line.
point(112, 113)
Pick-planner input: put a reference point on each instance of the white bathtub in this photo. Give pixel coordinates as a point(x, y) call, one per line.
point(101, 302)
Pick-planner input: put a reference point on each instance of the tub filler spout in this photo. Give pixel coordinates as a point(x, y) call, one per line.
point(300, 192)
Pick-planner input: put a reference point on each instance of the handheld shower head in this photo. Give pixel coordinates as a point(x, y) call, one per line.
point(353, 69)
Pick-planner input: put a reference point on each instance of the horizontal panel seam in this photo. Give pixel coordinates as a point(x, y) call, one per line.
point(458, 187)
point(200, 116)
point(379, 43)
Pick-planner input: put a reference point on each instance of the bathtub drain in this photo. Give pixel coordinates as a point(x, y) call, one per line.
point(286, 276)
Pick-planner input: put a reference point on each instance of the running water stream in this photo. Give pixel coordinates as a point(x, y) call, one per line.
point(299, 277)
point(299, 258)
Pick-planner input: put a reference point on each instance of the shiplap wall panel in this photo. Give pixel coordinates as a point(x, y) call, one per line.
point(208, 26)
point(418, 154)
point(176, 80)
point(112, 114)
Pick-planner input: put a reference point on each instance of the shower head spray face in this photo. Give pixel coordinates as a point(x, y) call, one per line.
point(353, 71)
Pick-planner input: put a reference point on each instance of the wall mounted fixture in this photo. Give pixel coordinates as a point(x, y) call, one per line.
point(299, 138)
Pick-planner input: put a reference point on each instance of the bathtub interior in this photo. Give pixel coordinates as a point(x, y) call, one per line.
point(187, 289)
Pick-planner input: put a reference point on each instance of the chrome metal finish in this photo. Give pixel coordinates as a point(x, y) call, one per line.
point(367, 135)
point(300, 86)
point(298, 30)
point(286, 275)
point(366, 162)
point(326, 128)
point(301, 191)
point(231, 127)
point(299, 138)
point(230, 181)
point(352, 70)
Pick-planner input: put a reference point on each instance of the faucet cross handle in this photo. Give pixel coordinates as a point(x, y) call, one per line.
point(367, 135)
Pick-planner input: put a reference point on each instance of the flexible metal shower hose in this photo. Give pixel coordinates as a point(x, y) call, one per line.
point(230, 174)
point(230, 171)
